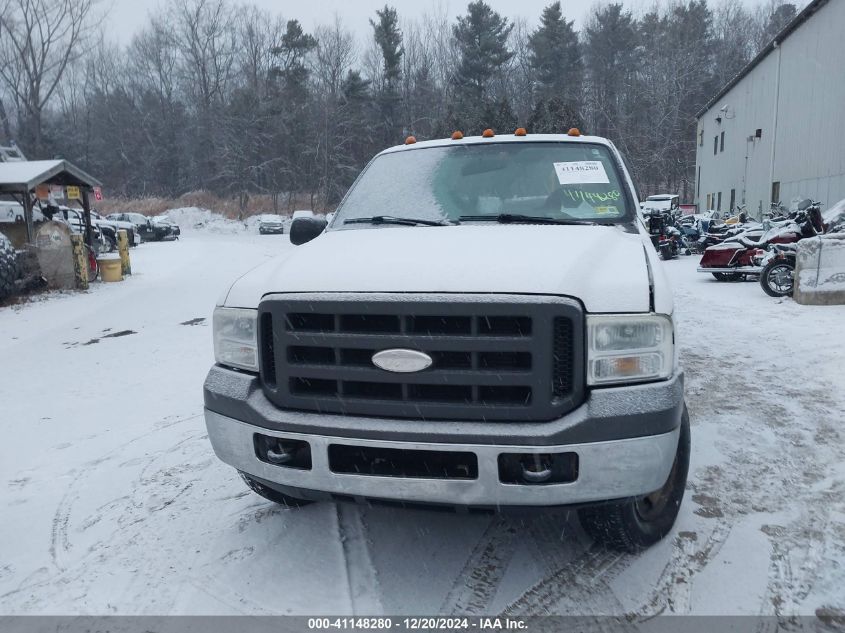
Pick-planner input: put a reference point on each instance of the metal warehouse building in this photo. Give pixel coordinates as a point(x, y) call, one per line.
point(776, 132)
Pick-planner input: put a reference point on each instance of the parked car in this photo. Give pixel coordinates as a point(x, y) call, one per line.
point(498, 335)
point(13, 212)
point(271, 223)
point(104, 233)
point(132, 234)
point(146, 228)
point(173, 231)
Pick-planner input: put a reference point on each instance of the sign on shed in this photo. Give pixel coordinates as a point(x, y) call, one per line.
point(42, 192)
point(98, 193)
point(73, 193)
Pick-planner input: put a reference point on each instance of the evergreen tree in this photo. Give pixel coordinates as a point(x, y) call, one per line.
point(499, 116)
point(482, 40)
point(610, 61)
point(554, 116)
point(779, 17)
point(291, 53)
point(389, 39)
point(556, 56)
point(293, 115)
point(355, 138)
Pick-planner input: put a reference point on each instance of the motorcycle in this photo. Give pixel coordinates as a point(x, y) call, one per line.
point(740, 256)
point(777, 277)
point(666, 237)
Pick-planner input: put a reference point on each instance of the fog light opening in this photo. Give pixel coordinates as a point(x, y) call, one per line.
point(537, 469)
point(280, 451)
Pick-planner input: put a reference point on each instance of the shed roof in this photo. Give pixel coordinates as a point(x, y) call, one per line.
point(16, 177)
point(785, 32)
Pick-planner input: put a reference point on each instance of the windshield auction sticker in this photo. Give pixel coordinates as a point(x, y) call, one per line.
point(581, 172)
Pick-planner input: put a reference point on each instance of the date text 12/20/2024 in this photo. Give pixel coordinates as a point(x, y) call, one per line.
point(417, 624)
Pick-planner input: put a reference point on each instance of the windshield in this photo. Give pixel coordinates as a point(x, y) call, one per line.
point(551, 180)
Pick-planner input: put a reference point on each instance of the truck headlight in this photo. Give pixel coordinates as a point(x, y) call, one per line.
point(629, 348)
point(235, 338)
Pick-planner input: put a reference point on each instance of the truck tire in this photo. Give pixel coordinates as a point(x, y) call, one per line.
point(777, 278)
point(272, 495)
point(634, 525)
point(9, 267)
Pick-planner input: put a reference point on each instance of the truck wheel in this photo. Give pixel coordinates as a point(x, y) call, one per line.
point(637, 524)
point(778, 278)
point(9, 268)
point(273, 495)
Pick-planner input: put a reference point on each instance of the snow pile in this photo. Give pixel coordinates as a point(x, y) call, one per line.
point(195, 218)
point(198, 218)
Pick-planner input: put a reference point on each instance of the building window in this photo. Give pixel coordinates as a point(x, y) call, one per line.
point(722, 142)
point(715, 145)
point(719, 202)
point(776, 191)
point(758, 133)
point(708, 202)
point(733, 199)
point(701, 138)
point(698, 183)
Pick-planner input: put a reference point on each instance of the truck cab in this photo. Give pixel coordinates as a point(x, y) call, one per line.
point(495, 332)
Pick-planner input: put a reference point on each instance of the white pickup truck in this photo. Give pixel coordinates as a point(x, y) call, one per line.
point(494, 331)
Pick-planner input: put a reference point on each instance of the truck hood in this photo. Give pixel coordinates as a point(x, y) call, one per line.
point(603, 266)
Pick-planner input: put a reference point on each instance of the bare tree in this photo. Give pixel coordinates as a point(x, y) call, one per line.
point(38, 40)
point(334, 56)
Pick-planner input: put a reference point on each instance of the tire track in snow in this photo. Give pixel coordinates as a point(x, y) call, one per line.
point(60, 544)
point(474, 588)
point(361, 579)
point(579, 581)
point(672, 592)
point(798, 554)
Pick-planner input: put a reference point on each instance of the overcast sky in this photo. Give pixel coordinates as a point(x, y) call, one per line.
point(128, 16)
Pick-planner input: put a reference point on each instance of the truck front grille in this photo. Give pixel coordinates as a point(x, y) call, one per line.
point(493, 358)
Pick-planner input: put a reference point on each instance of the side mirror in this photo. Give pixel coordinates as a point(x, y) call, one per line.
point(306, 229)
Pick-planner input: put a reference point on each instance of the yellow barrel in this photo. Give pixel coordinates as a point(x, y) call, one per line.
point(110, 267)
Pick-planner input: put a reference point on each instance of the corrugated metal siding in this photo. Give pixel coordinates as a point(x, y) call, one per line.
point(809, 158)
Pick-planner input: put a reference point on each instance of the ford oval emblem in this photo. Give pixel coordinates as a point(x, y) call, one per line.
point(402, 361)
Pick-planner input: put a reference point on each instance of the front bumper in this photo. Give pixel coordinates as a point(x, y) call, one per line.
point(625, 439)
point(271, 229)
point(607, 470)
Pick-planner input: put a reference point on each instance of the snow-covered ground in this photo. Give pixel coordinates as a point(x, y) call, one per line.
point(112, 501)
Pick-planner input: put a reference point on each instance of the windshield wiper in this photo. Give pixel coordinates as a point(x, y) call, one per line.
point(389, 219)
point(517, 218)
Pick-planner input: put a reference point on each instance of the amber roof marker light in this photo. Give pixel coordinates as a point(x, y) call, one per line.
point(410, 140)
point(488, 133)
point(520, 131)
point(457, 135)
point(574, 131)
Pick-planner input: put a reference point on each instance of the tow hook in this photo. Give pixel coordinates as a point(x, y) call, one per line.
point(537, 470)
point(278, 455)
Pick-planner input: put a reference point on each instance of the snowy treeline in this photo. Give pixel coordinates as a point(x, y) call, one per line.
point(235, 100)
